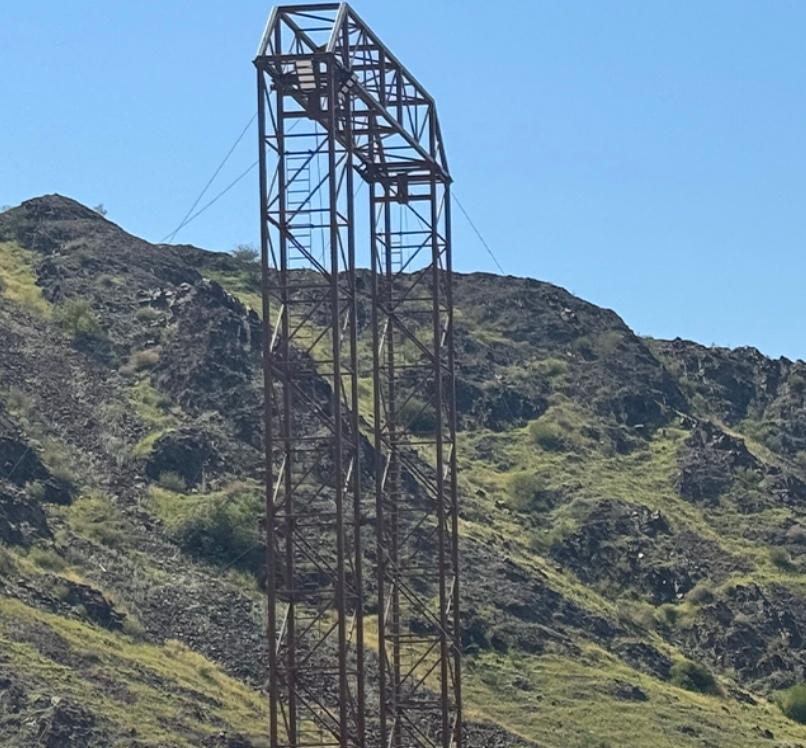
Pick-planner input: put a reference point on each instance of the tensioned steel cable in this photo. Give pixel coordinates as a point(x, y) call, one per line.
point(190, 216)
point(187, 217)
point(218, 196)
point(478, 233)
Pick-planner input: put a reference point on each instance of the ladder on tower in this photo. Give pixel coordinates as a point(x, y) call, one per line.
point(299, 209)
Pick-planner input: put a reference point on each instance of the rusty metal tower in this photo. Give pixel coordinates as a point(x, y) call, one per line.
point(361, 500)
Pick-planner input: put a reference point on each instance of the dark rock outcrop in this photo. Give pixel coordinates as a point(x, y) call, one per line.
point(22, 521)
point(708, 464)
point(628, 547)
point(188, 453)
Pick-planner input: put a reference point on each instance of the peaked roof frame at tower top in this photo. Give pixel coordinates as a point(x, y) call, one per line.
point(404, 135)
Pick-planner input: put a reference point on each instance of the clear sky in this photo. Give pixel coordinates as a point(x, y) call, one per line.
point(648, 155)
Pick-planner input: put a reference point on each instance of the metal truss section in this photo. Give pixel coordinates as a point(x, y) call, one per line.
point(416, 489)
point(395, 126)
point(333, 103)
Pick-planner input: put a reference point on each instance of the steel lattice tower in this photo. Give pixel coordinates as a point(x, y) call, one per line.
point(362, 629)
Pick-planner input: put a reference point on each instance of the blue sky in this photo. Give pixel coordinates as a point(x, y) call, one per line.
point(647, 155)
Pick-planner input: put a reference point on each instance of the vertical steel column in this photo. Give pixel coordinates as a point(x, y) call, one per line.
point(437, 324)
point(335, 331)
point(381, 561)
point(314, 511)
point(346, 120)
point(288, 527)
point(268, 423)
point(458, 738)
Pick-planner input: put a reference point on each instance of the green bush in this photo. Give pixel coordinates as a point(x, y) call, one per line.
point(780, 559)
point(528, 492)
point(96, 518)
point(417, 416)
point(793, 702)
point(133, 628)
point(701, 593)
point(694, 677)
point(172, 481)
point(226, 533)
point(221, 526)
point(552, 367)
point(246, 254)
point(609, 341)
point(548, 435)
point(59, 461)
point(563, 427)
point(45, 558)
point(80, 321)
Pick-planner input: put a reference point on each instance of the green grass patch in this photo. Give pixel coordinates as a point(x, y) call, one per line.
point(95, 517)
point(563, 427)
point(154, 409)
point(528, 491)
point(159, 688)
point(243, 284)
point(221, 526)
point(561, 701)
point(18, 280)
point(793, 702)
point(150, 405)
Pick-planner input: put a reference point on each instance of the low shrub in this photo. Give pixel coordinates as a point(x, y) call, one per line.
point(548, 435)
point(780, 559)
point(552, 367)
point(96, 518)
point(221, 526)
point(8, 566)
point(792, 702)
point(60, 590)
point(45, 558)
point(133, 628)
point(609, 341)
point(19, 404)
point(528, 492)
point(693, 676)
point(417, 416)
point(148, 314)
point(701, 593)
point(636, 613)
point(59, 461)
point(141, 360)
point(172, 481)
point(246, 254)
point(564, 427)
point(668, 615)
point(79, 320)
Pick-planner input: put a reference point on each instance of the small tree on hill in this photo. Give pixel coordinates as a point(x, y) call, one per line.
point(246, 253)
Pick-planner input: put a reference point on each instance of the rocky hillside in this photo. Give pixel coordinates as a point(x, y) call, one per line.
point(633, 511)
